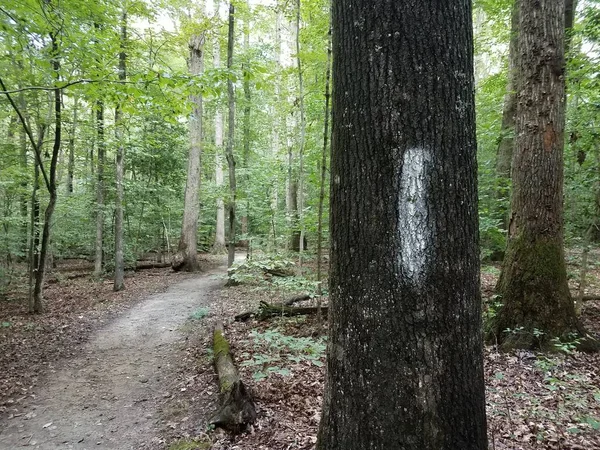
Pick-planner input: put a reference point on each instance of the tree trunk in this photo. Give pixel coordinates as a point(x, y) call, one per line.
point(247, 109)
point(324, 156)
point(506, 140)
point(99, 247)
point(219, 244)
point(23, 199)
point(230, 140)
point(51, 184)
point(119, 283)
point(71, 162)
point(187, 254)
point(300, 193)
point(405, 362)
point(533, 281)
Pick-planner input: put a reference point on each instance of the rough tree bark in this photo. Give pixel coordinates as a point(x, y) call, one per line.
point(533, 282)
point(405, 363)
point(230, 140)
point(186, 257)
point(119, 282)
point(506, 140)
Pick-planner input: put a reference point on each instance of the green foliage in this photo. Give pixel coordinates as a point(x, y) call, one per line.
point(200, 313)
point(272, 350)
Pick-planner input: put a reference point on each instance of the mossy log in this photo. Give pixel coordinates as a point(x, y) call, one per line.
point(237, 408)
point(266, 311)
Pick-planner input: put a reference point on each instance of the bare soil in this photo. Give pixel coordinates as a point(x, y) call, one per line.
point(107, 387)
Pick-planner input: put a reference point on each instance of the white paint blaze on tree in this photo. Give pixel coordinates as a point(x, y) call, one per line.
point(414, 230)
point(405, 353)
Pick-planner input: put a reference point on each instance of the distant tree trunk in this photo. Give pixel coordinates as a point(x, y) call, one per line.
point(119, 283)
point(533, 282)
point(300, 185)
point(570, 10)
point(71, 162)
point(23, 199)
point(405, 362)
point(219, 244)
point(505, 147)
point(187, 254)
point(99, 247)
point(247, 110)
point(323, 172)
point(230, 139)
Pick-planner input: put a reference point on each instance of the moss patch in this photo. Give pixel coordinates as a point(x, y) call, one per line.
point(190, 444)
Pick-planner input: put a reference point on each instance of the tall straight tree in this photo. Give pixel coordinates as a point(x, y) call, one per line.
point(405, 363)
point(230, 138)
point(119, 282)
point(533, 282)
point(187, 254)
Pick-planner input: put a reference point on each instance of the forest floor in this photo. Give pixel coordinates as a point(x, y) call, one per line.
point(134, 370)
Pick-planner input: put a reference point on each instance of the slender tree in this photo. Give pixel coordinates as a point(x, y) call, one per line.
point(100, 150)
point(536, 302)
point(230, 139)
point(405, 350)
point(119, 282)
point(219, 244)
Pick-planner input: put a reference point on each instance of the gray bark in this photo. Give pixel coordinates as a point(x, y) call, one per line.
point(187, 254)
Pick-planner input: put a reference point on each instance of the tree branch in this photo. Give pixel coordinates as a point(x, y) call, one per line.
point(34, 144)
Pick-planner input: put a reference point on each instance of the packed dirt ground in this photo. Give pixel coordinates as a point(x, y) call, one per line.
point(134, 369)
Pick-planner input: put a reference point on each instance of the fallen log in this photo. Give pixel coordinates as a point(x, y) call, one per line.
point(151, 265)
point(237, 408)
point(295, 299)
point(266, 311)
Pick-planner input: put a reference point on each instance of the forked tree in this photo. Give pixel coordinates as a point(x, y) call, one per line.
point(405, 364)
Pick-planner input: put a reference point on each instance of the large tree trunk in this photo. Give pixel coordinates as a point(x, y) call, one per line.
point(119, 283)
point(99, 247)
point(533, 283)
point(405, 363)
point(187, 254)
point(230, 140)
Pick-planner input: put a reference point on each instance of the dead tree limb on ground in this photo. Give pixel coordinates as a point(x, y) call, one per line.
point(266, 311)
point(237, 408)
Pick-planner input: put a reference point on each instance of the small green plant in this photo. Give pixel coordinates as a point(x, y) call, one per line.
point(199, 314)
point(567, 345)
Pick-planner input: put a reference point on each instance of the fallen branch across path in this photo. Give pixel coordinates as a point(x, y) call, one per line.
point(237, 408)
point(266, 311)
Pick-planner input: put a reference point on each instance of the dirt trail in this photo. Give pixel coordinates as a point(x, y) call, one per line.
point(107, 397)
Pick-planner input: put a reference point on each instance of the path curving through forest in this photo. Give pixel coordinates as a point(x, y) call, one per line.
point(107, 397)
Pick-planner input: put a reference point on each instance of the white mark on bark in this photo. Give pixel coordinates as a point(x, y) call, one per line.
point(415, 233)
